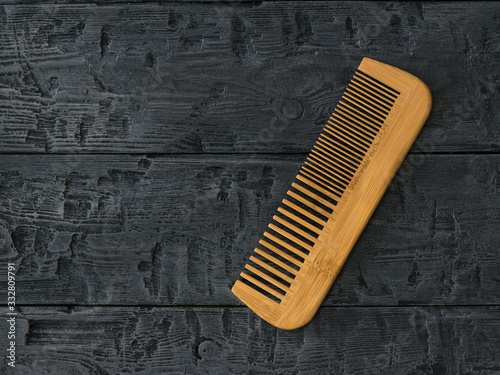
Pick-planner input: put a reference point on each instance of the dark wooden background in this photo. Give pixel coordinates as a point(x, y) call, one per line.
point(145, 146)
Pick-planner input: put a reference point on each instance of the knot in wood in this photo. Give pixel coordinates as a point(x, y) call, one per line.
point(292, 109)
point(208, 350)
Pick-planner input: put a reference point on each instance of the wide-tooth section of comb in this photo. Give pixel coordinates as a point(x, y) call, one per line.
point(327, 172)
point(298, 259)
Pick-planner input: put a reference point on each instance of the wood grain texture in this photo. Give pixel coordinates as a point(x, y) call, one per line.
point(226, 78)
point(100, 340)
point(178, 230)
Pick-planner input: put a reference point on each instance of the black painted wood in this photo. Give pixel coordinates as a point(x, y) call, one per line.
point(178, 230)
point(410, 340)
point(127, 234)
point(221, 78)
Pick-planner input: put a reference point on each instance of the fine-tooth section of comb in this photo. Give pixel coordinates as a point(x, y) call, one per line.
point(336, 191)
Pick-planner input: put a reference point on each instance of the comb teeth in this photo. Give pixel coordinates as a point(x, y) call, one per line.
point(321, 182)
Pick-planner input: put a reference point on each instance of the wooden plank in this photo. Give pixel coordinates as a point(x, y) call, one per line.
point(103, 340)
point(263, 77)
point(87, 229)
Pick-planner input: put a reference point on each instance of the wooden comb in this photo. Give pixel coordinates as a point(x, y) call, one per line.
point(335, 193)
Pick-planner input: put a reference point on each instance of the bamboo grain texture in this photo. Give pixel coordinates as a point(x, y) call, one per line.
point(344, 177)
